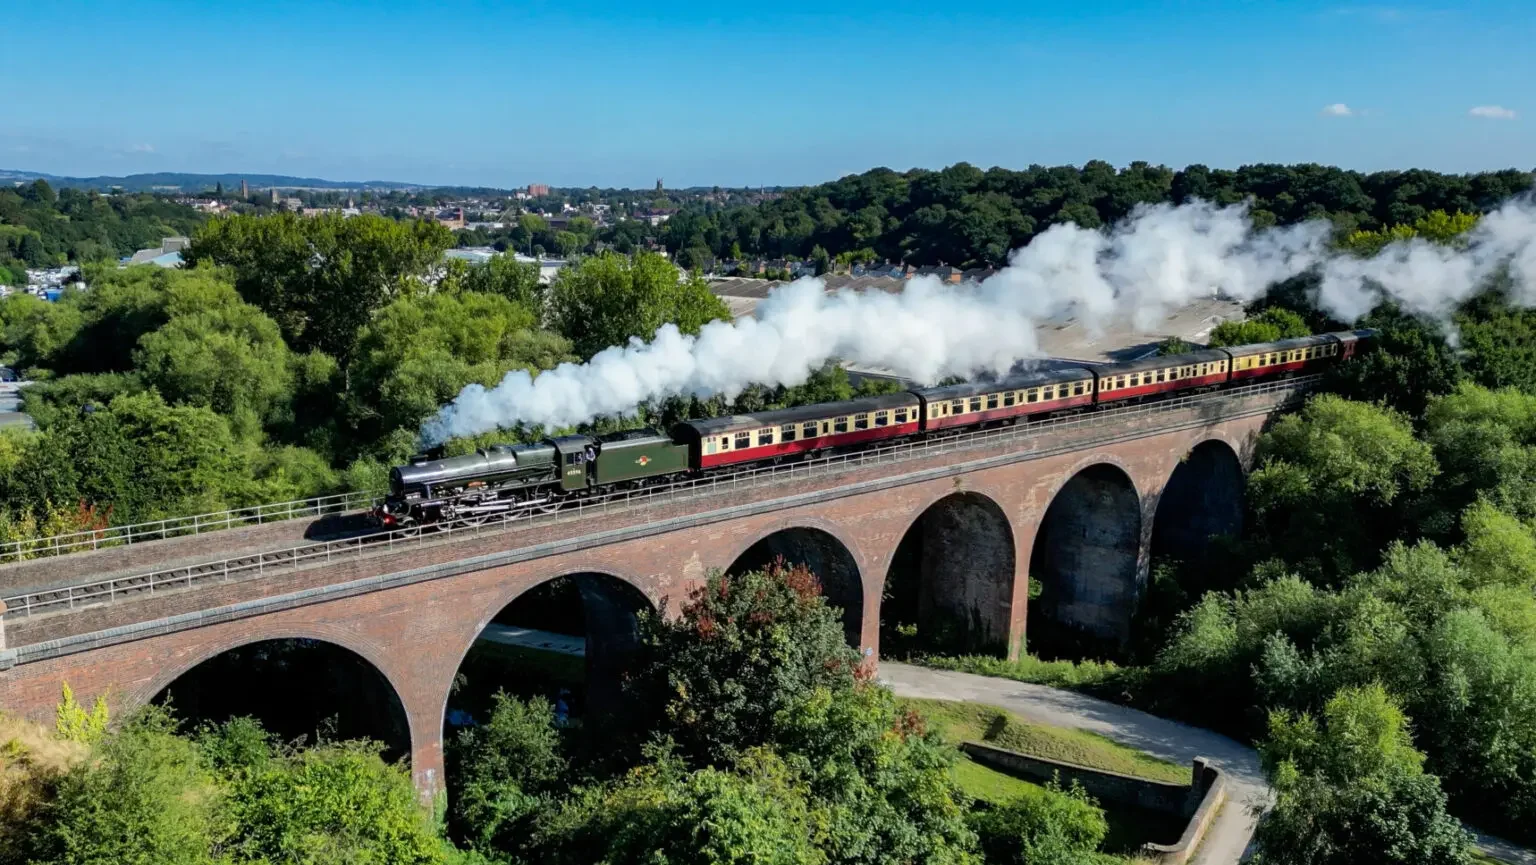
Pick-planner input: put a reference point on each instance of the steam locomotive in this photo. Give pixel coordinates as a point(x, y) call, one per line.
point(543, 475)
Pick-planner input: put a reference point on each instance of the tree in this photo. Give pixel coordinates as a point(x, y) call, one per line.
point(1174, 345)
point(145, 797)
point(514, 280)
point(606, 299)
point(742, 650)
point(1352, 789)
point(334, 802)
point(419, 352)
point(661, 813)
point(1046, 826)
point(1274, 323)
point(507, 771)
point(320, 278)
point(228, 357)
point(821, 260)
point(1409, 364)
point(1336, 481)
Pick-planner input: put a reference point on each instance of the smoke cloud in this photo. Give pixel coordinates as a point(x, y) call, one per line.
point(1161, 258)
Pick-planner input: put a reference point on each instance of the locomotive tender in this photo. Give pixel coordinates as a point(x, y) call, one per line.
point(543, 475)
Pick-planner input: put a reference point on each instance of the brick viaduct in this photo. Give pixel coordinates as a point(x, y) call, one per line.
point(1086, 503)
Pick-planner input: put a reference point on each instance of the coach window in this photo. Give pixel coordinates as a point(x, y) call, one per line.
point(1047, 392)
point(743, 440)
point(1033, 394)
point(1009, 399)
point(764, 437)
point(957, 407)
point(899, 416)
point(787, 433)
point(710, 446)
point(725, 443)
point(992, 401)
point(861, 421)
point(882, 418)
point(840, 425)
point(809, 429)
point(975, 403)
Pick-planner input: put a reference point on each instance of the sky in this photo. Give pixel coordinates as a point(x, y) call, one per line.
point(788, 92)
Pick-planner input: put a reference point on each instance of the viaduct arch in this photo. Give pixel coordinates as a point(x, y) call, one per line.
point(1087, 563)
point(414, 612)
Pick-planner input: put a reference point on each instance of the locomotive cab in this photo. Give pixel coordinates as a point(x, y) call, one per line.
point(575, 457)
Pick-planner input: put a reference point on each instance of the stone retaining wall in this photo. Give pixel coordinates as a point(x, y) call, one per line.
point(1197, 801)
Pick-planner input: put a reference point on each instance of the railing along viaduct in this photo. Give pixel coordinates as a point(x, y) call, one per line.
point(947, 532)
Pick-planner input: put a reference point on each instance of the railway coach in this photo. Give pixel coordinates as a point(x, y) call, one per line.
point(775, 435)
point(980, 403)
point(540, 476)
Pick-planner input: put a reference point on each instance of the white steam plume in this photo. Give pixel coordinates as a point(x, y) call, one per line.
point(1160, 258)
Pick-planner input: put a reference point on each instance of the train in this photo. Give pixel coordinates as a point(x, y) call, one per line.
point(546, 474)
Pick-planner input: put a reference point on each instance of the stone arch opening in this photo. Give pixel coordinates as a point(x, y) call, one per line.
point(823, 555)
point(1202, 501)
point(950, 583)
point(569, 639)
point(1084, 567)
point(296, 688)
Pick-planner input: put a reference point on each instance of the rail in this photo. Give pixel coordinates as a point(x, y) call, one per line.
point(173, 527)
point(256, 565)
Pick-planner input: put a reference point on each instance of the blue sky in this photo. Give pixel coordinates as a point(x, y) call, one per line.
point(788, 92)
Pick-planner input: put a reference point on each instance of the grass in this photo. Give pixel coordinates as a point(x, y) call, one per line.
point(980, 723)
point(990, 785)
point(1099, 677)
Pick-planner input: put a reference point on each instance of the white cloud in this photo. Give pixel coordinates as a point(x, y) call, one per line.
point(1337, 109)
point(1493, 112)
point(141, 148)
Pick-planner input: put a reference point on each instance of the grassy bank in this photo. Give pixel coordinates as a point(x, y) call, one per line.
point(980, 723)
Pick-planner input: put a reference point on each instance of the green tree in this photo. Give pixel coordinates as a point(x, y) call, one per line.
point(321, 278)
point(1045, 826)
point(419, 352)
point(1174, 345)
point(229, 358)
point(1352, 789)
point(514, 280)
point(1336, 481)
point(1275, 323)
point(754, 816)
point(506, 772)
point(607, 299)
point(334, 802)
point(742, 649)
point(144, 798)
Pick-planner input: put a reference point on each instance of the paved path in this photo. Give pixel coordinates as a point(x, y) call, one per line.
point(1228, 836)
point(513, 635)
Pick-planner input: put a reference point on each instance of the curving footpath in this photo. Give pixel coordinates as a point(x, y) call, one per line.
point(1226, 840)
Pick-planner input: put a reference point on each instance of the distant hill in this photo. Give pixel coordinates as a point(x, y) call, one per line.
point(173, 181)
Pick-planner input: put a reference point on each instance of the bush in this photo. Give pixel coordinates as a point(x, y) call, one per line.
point(1049, 827)
point(1352, 789)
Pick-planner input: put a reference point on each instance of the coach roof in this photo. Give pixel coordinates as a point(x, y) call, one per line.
point(815, 411)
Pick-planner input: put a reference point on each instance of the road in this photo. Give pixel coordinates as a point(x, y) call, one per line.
point(1228, 837)
point(1227, 840)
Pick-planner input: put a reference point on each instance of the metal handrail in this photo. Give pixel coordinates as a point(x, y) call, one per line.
point(171, 527)
point(258, 564)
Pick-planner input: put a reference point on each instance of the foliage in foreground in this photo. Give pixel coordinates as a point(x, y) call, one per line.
point(1352, 789)
point(144, 793)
